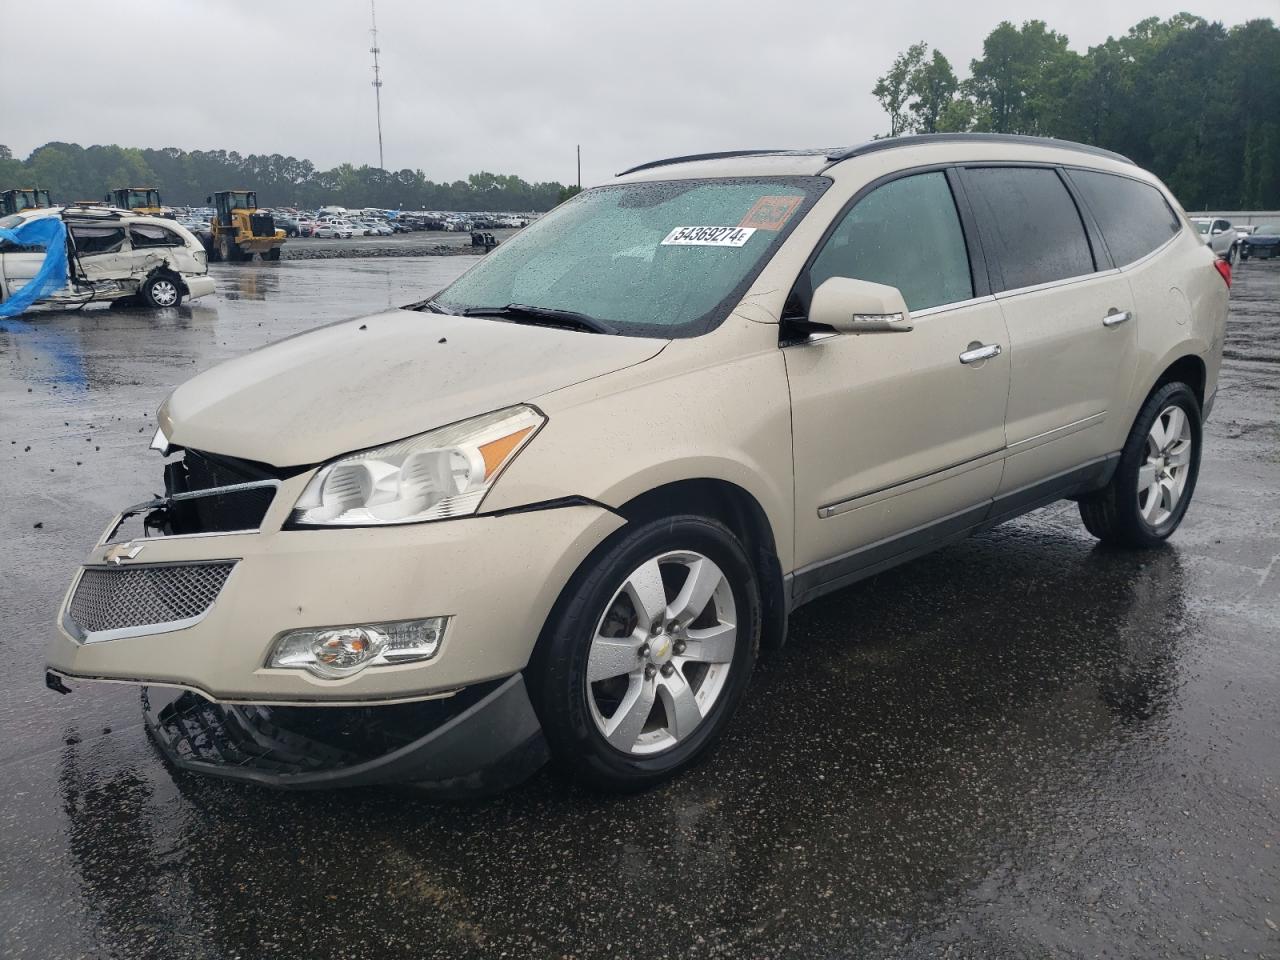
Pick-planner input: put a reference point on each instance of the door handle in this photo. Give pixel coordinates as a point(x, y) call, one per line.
point(980, 353)
point(1116, 317)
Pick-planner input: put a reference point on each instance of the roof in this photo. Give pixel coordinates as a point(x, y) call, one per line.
point(97, 212)
point(815, 160)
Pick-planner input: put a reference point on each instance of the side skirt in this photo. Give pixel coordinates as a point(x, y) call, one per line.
point(819, 579)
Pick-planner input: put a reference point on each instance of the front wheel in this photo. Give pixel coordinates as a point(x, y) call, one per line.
point(1151, 489)
point(648, 653)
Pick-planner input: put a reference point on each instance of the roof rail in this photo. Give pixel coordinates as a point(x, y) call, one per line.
point(721, 155)
point(836, 154)
point(919, 139)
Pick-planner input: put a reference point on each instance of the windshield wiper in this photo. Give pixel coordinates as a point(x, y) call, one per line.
point(431, 305)
point(525, 313)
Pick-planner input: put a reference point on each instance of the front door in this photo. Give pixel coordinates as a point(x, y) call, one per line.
point(898, 437)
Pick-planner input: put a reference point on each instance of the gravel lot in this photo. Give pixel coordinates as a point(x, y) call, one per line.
point(1023, 745)
point(419, 244)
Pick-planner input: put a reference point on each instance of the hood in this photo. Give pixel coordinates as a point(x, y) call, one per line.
point(364, 382)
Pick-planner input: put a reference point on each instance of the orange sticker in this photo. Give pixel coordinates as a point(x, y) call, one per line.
point(770, 213)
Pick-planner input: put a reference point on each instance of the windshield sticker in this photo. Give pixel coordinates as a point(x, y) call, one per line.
point(708, 237)
point(770, 213)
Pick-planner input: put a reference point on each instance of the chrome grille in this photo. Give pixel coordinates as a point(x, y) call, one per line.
point(110, 598)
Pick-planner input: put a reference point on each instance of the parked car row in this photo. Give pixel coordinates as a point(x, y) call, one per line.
point(1238, 241)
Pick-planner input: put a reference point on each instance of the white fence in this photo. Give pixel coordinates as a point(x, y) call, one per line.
point(1243, 218)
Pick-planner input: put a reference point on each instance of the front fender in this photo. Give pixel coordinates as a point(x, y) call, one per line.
point(728, 421)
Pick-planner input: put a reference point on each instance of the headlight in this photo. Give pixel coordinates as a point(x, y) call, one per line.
point(444, 473)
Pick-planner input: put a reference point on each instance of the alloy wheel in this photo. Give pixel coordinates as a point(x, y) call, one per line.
point(661, 653)
point(1162, 478)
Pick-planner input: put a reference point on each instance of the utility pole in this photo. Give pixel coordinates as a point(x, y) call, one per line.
point(579, 163)
point(377, 79)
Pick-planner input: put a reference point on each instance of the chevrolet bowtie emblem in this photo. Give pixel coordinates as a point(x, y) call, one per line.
point(122, 552)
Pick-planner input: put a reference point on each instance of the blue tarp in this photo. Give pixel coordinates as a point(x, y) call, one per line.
point(48, 232)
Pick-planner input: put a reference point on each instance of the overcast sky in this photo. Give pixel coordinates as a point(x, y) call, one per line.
point(508, 86)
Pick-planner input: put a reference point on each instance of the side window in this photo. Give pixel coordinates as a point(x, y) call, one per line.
point(1030, 224)
point(92, 240)
point(905, 234)
point(145, 235)
point(1133, 216)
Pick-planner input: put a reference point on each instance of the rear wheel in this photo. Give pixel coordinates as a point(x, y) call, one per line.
point(1152, 487)
point(161, 290)
point(647, 655)
point(272, 254)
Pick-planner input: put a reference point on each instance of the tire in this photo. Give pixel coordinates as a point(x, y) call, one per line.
point(1152, 488)
point(161, 290)
point(227, 251)
point(272, 254)
point(596, 626)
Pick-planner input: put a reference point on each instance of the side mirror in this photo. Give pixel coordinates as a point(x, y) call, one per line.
point(859, 306)
point(208, 201)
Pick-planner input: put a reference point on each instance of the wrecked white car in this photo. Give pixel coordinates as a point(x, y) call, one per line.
point(111, 255)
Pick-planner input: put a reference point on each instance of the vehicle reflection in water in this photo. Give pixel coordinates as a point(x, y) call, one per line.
point(921, 732)
point(99, 348)
point(249, 281)
point(43, 354)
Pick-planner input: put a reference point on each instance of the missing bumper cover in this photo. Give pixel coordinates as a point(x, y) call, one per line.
point(481, 741)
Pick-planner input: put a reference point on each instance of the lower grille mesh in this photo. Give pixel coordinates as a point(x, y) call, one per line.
point(112, 599)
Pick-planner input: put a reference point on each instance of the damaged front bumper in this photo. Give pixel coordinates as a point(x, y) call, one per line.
point(480, 741)
point(194, 615)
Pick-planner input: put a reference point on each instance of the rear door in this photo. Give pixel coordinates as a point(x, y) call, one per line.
point(1137, 226)
point(897, 440)
point(1069, 314)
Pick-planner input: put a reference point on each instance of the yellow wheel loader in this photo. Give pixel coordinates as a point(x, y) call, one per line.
point(239, 229)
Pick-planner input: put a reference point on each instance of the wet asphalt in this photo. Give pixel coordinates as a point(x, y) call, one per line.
point(1025, 745)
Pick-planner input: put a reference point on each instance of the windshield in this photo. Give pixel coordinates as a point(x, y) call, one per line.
point(1201, 225)
point(143, 198)
point(666, 259)
point(1267, 230)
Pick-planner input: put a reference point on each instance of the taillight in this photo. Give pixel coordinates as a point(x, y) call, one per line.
point(1224, 270)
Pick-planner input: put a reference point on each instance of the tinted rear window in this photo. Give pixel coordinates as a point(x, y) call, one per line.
point(1030, 223)
point(1133, 216)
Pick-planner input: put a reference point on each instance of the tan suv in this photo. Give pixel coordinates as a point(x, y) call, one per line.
point(557, 507)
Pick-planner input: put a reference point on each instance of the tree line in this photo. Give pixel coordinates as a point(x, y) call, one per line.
point(72, 172)
point(1194, 102)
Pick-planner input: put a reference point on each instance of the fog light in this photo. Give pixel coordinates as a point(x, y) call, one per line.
point(336, 652)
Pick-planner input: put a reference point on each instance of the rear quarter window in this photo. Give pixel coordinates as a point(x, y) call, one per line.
point(1134, 217)
point(148, 235)
point(1031, 224)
